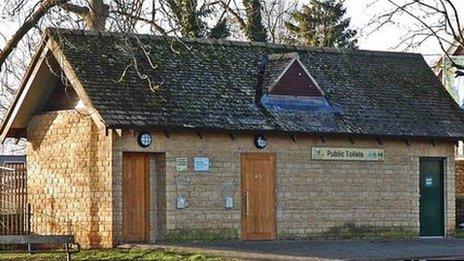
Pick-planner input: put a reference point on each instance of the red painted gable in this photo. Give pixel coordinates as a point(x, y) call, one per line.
point(296, 82)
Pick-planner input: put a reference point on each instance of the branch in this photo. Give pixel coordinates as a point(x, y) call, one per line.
point(448, 20)
point(82, 11)
point(403, 8)
point(30, 22)
point(227, 7)
point(458, 23)
point(148, 21)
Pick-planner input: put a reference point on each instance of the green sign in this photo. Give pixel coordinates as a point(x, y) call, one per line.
point(357, 154)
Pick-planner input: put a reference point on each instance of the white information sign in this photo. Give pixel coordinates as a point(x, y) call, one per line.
point(357, 154)
point(181, 202)
point(181, 164)
point(201, 164)
point(229, 202)
point(429, 182)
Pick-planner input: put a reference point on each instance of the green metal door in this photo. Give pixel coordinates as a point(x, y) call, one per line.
point(431, 197)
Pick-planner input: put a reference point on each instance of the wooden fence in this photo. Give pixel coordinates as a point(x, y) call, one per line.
point(14, 209)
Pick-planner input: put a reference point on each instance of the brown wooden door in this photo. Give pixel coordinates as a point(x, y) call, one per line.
point(135, 197)
point(258, 197)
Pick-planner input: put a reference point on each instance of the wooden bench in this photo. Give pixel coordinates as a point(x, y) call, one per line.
point(67, 240)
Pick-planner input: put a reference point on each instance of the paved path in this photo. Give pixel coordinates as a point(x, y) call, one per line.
point(440, 249)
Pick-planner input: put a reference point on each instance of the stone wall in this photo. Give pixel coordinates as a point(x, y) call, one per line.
point(314, 198)
point(460, 177)
point(69, 177)
point(75, 183)
point(158, 196)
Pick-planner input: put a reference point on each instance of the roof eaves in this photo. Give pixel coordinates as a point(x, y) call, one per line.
point(38, 53)
point(283, 131)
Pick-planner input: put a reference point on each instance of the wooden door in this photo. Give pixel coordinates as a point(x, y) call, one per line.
point(135, 197)
point(258, 196)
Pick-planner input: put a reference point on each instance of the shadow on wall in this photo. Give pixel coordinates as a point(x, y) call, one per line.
point(95, 186)
point(39, 136)
point(43, 215)
point(68, 177)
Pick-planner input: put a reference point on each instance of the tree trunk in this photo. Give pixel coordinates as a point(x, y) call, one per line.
point(96, 18)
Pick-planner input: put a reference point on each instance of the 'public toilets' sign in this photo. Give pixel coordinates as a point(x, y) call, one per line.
point(359, 154)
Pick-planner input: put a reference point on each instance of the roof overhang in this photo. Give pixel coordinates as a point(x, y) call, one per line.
point(37, 85)
point(193, 129)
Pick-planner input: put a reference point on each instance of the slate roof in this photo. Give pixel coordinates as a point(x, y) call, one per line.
point(277, 63)
point(210, 85)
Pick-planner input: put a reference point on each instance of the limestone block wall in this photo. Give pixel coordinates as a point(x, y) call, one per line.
point(313, 197)
point(69, 177)
point(75, 183)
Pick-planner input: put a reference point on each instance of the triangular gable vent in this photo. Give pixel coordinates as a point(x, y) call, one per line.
point(294, 79)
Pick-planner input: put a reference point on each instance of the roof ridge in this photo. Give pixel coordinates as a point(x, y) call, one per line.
point(288, 55)
point(53, 30)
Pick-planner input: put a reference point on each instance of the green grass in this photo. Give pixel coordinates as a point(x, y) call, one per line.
point(458, 234)
point(112, 254)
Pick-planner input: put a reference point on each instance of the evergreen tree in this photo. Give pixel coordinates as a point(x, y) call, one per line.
point(254, 28)
point(187, 17)
point(322, 23)
point(191, 18)
point(220, 30)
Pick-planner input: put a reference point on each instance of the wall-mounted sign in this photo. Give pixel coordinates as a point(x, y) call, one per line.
point(201, 164)
point(429, 182)
point(181, 202)
point(181, 164)
point(358, 154)
point(229, 202)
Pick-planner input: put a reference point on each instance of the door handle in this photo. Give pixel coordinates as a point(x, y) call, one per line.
point(246, 203)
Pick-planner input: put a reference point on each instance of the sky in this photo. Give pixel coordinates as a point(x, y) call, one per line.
point(361, 12)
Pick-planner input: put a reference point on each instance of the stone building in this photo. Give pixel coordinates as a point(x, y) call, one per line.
point(136, 138)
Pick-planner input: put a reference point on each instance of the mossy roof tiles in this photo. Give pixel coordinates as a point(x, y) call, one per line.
point(204, 84)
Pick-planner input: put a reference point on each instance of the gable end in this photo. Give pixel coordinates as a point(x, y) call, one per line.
point(295, 80)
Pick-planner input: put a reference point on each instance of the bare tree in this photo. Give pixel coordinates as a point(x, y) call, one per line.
point(115, 15)
point(17, 45)
point(191, 18)
point(258, 20)
point(275, 13)
point(438, 20)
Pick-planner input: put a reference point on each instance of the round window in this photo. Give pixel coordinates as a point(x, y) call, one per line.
point(144, 139)
point(260, 141)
